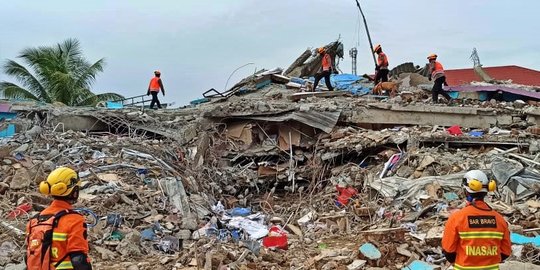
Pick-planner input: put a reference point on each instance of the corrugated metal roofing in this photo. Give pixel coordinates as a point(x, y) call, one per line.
point(517, 74)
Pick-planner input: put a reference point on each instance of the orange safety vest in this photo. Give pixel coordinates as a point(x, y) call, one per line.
point(478, 236)
point(67, 237)
point(154, 84)
point(437, 70)
point(382, 60)
point(326, 62)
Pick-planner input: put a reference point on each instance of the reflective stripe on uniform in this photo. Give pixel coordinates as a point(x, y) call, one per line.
point(481, 235)
point(486, 267)
point(59, 236)
point(64, 265)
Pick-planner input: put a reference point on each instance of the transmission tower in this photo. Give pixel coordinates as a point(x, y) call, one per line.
point(353, 52)
point(475, 58)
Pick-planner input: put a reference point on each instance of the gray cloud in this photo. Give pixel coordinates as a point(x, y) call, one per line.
point(198, 43)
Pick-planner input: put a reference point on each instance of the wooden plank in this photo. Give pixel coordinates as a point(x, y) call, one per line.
point(299, 96)
point(276, 78)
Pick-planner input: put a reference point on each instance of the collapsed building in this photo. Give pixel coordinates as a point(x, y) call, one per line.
point(354, 179)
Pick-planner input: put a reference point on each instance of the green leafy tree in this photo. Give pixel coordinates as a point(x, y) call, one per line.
point(58, 73)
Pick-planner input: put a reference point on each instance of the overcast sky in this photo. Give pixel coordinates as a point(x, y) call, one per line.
point(198, 43)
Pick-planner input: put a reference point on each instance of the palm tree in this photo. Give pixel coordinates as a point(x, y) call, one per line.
point(58, 73)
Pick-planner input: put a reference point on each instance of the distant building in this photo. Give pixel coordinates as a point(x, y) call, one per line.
point(517, 74)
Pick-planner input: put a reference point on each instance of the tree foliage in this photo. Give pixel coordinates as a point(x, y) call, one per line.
point(58, 73)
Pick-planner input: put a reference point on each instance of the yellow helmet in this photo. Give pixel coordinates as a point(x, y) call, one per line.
point(432, 56)
point(377, 47)
point(60, 182)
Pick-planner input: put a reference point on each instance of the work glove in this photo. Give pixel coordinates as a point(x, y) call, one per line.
point(429, 77)
point(445, 83)
point(163, 94)
point(148, 93)
point(377, 67)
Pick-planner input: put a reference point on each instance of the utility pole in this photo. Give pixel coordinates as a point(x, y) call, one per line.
point(367, 31)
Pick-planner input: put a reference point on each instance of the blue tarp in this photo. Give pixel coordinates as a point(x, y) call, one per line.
point(114, 105)
point(199, 101)
point(519, 239)
point(8, 132)
point(347, 82)
point(419, 265)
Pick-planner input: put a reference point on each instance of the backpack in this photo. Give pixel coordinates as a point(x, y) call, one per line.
point(39, 240)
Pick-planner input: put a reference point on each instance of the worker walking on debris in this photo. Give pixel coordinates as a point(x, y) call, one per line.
point(56, 238)
point(381, 69)
point(153, 88)
point(476, 237)
point(437, 73)
point(326, 70)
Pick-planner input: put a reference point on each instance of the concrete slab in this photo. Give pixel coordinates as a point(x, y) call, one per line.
point(431, 115)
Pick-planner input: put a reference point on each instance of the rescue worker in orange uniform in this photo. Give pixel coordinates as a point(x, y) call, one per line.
point(381, 70)
point(57, 237)
point(476, 237)
point(437, 73)
point(326, 70)
point(153, 88)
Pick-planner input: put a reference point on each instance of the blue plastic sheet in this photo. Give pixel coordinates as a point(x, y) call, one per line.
point(450, 196)
point(199, 101)
point(418, 265)
point(519, 239)
point(346, 82)
point(241, 212)
point(148, 234)
point(476, 133)
point(114, 105)
point(9, 131)
point(370, 251)
point(349, 82)
point(298, 80)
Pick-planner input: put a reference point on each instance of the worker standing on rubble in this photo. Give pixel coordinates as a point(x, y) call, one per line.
point(476, 237)
point(381, 69)
point(326, 70)
point(437, 73)
point(56, 238)
point(153, 88)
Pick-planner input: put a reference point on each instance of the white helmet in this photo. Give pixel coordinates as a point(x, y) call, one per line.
point(477, 181)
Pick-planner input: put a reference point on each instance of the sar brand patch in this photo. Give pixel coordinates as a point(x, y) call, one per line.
point(482, 222)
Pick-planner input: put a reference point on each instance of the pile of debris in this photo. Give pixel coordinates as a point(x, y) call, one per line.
point(268, 177)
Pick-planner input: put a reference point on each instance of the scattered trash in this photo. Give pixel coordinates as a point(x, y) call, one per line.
point(241, 212)
point(419, 265)
point(520, 239)
point(476, 133)
point(369, 251)
point(344, 195)
point(277, 238)
point(455, 130)
point(450, 196)
point(148, 234)
point(114, 220)
point(208, 185)
point(20, 210)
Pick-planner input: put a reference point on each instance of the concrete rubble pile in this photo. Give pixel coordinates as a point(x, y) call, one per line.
point(268, 176)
